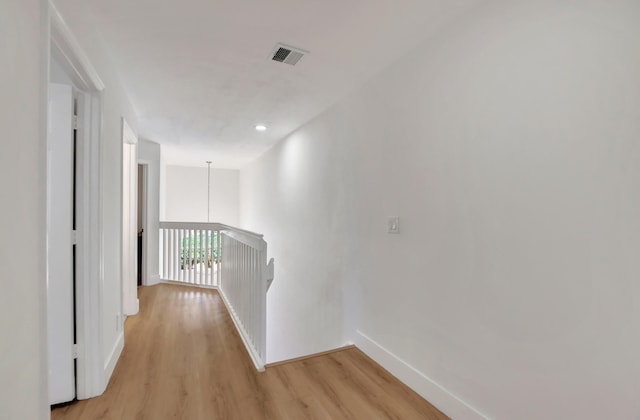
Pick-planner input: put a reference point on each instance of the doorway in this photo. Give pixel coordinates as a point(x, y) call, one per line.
point(142, 224)
point(74, 220)
point(73, 113)
point(130, 303)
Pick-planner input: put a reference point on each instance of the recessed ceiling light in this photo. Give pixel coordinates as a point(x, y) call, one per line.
point(261, 127)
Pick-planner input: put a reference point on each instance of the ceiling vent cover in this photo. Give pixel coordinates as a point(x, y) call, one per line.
point(288, 55)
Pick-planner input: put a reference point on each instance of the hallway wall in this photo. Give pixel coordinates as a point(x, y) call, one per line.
point(186, 195)
point(23, 306)
point(508, 146)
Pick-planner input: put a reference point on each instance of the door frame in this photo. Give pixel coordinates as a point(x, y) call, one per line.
point(145, 219)
point(130, 303)
point(90, 372)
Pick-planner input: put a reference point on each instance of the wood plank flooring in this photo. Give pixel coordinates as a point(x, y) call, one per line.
point(183, 359)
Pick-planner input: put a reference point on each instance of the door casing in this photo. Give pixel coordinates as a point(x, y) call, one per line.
point(130, 303)
point(145, 218)
point(91, 376)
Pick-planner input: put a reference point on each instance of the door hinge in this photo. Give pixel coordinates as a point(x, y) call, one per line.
point(75, 122)
point(74, 237)
point(74, 350)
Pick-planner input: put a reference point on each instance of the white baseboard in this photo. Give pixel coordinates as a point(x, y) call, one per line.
point(179, 283)
point(154, 279)
point(112, 360)
point(430, 390)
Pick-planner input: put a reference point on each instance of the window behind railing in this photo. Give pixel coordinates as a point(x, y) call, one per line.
point(190, 253)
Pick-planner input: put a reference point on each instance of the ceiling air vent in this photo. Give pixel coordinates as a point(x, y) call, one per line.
point(288, 55)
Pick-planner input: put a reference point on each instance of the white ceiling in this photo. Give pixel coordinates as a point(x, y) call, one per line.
point(199, 72)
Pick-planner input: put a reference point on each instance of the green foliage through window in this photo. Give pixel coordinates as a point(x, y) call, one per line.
point(193, 251)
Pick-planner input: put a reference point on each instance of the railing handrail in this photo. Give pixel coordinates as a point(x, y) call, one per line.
point(244, 238)
point(207, 225)
point(189, 225)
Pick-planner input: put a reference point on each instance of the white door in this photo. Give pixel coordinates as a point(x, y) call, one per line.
point(60, 300)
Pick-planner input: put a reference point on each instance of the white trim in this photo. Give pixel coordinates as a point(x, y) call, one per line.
point(128, 223)
point(179, 283)
point(144, 266)
point(253, 353)
point(435, 393)
point(154, 279)
point(112, 360)
point(89, 287)
point(144, 275)
point(128, 135)
point(90, 373)
point(63, 38)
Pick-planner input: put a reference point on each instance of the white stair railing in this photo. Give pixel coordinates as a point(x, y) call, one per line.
point(190, 253)
point(230, 259)
point(245, 279)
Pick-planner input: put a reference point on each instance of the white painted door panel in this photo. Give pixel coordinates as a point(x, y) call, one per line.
point(59, 244)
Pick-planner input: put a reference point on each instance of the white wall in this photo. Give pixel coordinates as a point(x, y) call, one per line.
point(186, 195)
point(508, 145)
point(23, 83)
point(150, 153)
point(116, 105)
point(299, 196)
point(163, 189)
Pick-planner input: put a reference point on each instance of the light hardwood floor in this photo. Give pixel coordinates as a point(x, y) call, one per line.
point(183, 359)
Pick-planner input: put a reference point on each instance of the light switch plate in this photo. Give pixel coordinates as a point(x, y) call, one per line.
point(393, 224)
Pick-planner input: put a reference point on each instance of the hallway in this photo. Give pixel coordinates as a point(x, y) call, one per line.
point(184, 359)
